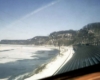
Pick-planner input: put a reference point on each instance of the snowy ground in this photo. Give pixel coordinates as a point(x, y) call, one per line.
point(20, 60)
point(18, 52)
point(54, 65)
point(21, 52)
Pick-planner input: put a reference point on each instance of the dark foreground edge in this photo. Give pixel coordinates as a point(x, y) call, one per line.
point(75, 73)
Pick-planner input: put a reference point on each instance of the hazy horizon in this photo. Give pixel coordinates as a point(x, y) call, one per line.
point(24, 19)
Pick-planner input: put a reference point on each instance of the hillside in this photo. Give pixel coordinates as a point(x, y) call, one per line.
point(89, 34)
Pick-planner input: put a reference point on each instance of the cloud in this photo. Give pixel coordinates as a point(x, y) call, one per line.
point(13, 29)
point(38, 10)
point(34, 12)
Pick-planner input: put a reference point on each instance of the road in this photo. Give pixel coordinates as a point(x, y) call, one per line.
point(84, 56)
point(69, 53)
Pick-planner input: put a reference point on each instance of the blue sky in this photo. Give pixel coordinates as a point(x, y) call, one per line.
point(24, 19)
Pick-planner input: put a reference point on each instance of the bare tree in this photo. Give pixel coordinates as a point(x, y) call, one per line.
point(56, 42)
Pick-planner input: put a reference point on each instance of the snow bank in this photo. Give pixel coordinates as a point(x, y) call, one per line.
point(54, 65)
point(4, 79)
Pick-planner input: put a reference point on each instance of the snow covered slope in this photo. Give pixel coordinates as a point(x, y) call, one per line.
point(54, 65)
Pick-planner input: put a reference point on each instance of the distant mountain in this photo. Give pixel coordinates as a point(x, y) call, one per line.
point(89, 34)
point(13, 41)
point(39, 40)
point(62, 37)
point(63, 34)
